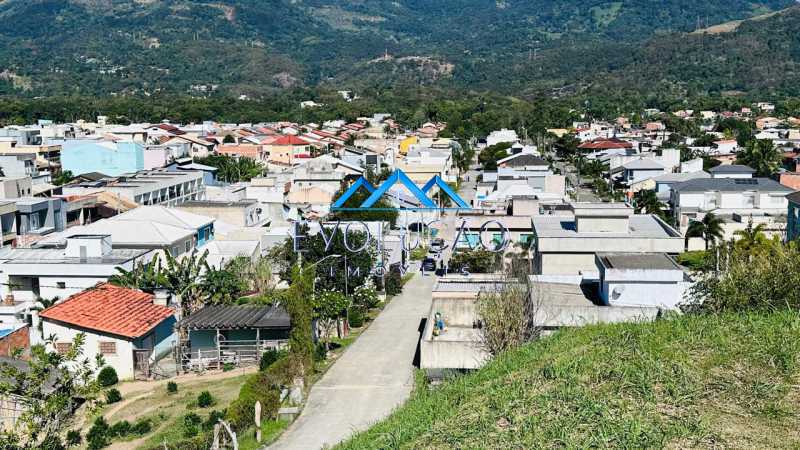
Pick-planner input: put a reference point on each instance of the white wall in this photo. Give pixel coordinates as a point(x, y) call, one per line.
point(48, 286)
point(122, 362)
point(642, 293)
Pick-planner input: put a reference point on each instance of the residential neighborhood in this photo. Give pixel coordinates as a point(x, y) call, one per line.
point(176, 252)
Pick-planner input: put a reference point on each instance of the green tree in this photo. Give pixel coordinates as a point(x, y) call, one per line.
point(50, 387)
point(751, 238)
point(232, 170)
point(474, 261)
point(222, 286)
point(184, 278)
point(329, 307)
point(710, 229)
point(566, 146)
point(145, 276)
point(63, 178)
point(330, 273)
point(489, 156)
point(647, 202)
point(760, 276)
point(760, 155)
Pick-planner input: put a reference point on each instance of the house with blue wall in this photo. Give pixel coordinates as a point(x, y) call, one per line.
point(129, 328)
point(793, 217)
point(95, 155)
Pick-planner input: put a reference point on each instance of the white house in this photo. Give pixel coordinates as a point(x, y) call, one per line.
point(636, 279)
point(27, 274)
point(641, 169)
point(692, 199)
point(731, 171)
point(129, 328)
point(566, 245)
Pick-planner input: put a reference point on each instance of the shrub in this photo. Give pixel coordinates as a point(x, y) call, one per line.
point(366, 295)
point(113, 396)
point(320, 352)
point(107, 376)
point(191, 422)
point(227, 367)
point(269, 357)
point(257, 388)
point(213, 417)
point(74, 438)
point(205, 399)
point(97, 437)
point(172, 387)
point(142, 427)
point(394, 283)
point(120, 429)
point(356, 316)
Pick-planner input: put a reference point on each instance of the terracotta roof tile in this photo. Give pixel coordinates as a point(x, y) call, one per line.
point(290, 140)
point(110, 309)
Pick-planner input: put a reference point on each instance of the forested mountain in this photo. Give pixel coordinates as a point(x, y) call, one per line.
point(525, 47)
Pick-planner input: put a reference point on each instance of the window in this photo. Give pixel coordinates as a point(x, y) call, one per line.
point(175, 251)
point(108, 348)
point(63, 347)
point(525, 238)
point(61, 285)
point(188, 246)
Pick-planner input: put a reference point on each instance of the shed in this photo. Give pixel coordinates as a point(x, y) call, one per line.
point(235, 334)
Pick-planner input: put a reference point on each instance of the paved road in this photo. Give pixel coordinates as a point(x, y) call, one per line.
point(370, 379)
point(584, 194)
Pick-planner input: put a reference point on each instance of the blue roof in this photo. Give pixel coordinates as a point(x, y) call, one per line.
point(6, 332)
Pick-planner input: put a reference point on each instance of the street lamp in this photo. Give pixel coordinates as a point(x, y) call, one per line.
point(323, 259)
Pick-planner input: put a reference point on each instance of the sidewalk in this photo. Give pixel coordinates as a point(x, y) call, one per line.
point(372, 377)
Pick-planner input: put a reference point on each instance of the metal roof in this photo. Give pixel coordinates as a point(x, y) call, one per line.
point(233, 317)
point(732, 168)
point(637, 261)
point(731, 185)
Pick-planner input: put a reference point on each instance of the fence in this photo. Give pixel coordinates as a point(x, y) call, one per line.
point(236, 353)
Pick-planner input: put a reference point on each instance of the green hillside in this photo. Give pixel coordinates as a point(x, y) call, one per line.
point(728, 381)
point(50, 47)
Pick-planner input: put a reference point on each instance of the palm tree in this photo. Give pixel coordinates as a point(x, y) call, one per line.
point(751, 237)
point(760, 155)
point(527, 246)
point(647, 201)
point(710, 229)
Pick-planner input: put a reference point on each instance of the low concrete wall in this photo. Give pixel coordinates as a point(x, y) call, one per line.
point(459, 350)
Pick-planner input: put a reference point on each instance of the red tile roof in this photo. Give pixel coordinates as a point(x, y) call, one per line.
point(290, 140)
point(605, 144)
point(110, 309)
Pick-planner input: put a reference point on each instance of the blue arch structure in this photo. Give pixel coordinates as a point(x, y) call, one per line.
point(398, 175)
point(361, 182)
point(438, 181)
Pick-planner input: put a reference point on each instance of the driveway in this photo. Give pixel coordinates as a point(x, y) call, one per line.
point(371, 378)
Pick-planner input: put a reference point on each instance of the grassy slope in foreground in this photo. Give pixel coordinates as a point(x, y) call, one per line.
point(695, 381)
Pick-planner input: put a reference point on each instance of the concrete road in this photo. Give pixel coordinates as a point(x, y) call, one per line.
point(371, 378)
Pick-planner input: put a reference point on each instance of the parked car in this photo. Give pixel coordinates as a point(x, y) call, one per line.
point(437, 244)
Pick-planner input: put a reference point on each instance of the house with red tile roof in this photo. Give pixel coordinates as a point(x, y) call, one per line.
point(287, 149)
point(129, 328)
point(605, 144)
